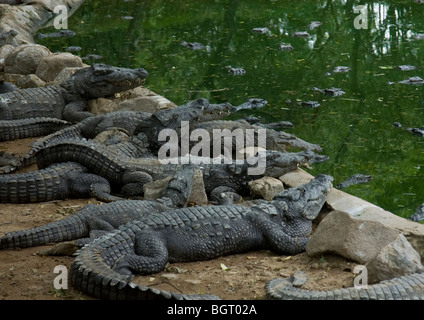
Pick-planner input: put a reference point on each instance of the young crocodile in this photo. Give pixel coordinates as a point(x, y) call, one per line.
point(104, 268)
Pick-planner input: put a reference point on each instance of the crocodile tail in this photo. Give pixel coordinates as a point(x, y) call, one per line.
point(32, 127)
point(70, 132)
point(409, 287)
point(38, 186)
point(69, 228)
point(92, 274)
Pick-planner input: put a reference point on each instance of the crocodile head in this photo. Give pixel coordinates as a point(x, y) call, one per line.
point(101, 80)
point(299, 206)
point(274, 163)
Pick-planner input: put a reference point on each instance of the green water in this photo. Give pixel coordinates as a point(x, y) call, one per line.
point(355, 129)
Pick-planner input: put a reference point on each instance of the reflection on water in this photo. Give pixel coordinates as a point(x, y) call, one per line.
point(355, 129)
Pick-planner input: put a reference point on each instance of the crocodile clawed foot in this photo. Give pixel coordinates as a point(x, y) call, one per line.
point(122, 267)
point(9, 162)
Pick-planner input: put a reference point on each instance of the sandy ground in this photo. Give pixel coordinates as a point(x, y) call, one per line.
point(26, 275)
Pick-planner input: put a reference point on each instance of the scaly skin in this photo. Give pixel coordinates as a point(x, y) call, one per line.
point(105, 267)
point(95, 220)
point(55, 182)
point(403, 288)
point(32, 127)
point(124, 171)
point(68, 101)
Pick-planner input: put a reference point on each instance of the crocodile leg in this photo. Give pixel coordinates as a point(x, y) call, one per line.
point(76, 111)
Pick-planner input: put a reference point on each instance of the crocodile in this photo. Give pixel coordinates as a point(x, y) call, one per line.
point(68, 101)
point(130, 174)
point(410, 287)
point(105, 267)
point(55, 182)
point(357, 178)
point(130, 122)
point(92, 221)
point(122, 170)
point(30, 127)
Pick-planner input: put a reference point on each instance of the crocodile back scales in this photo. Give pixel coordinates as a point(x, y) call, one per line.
point(47, 101)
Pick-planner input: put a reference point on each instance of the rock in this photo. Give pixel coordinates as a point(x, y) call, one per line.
point(64, 74)
point(25, 59)
point(101, 105)
point(362, 210)
point(30, 81)
point(50, 66)
point(152, 190)
point(266, 187)
point(354, 239)
point(396, 259)
point(60, 249)
point(146, 104)
point(198, 194)
point(6, 50)
point(6, 37)
point(170, 276)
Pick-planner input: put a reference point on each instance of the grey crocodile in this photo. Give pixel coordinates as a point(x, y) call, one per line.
point(92, 221)
point(130, 122)
point(357, 178)
point(192, 45)
point(403, 288)
point(58, 34)
point(55, 182)
point(104, 268)
point(130, 174)
point(68, 101)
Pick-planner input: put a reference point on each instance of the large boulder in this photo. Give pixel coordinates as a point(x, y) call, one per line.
point(356, 240)
point(25, 59)
point(362, 210)
point(396, 259)
point(50, 66)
